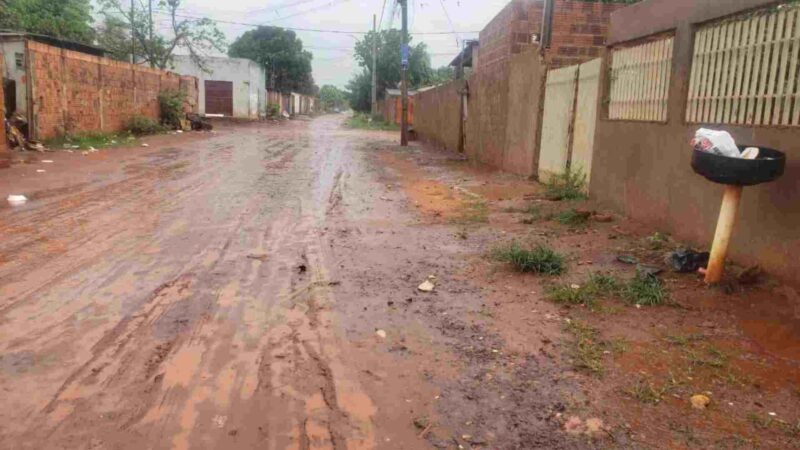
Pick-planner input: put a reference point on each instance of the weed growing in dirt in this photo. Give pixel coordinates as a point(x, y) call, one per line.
point(573, 218)
point(365, 122)
point(598, 285)
point(708, 356)
point(88, 139)
point(765, 423)
point(571, 185)
point(645, 290)
point(648, 392)
point(587, 348)
point(683, 339)
point(540, 259)
point(658, 241)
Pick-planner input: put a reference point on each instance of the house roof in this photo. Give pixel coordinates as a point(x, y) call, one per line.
point(465, 54)
point(55, 42)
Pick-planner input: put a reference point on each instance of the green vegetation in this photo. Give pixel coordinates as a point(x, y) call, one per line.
point(658, 241)
point(273, 110)
point(648, 392)
point(599, 285)
point(540, 259)
point(570, 185)
point(66, 19)
point(89, 139)
point(573, 217)
point(170, 102)
point(332, 98)
point(142, 125)
point(645, 290)
point(365, 122)
point(587, 348)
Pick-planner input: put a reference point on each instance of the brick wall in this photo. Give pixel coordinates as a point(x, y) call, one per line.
point(509, 32)
point(75, 92)
point(579, 31)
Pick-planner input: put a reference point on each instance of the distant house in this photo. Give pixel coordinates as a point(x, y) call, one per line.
point(392, 107)
point(230, 87)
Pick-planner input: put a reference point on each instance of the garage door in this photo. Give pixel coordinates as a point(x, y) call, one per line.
point(219, 97)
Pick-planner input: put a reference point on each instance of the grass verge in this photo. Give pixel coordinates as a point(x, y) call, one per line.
point(365, 122)
point(89, 139)
point(641, 290)
point(540, 259)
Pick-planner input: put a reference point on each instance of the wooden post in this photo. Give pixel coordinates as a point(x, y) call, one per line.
point(722, 237)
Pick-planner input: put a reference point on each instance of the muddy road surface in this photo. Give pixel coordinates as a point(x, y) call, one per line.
point(253, 288)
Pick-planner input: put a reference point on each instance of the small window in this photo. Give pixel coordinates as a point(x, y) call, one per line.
point(19, 60)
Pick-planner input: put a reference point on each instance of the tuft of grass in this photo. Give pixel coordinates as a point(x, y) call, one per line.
point(648, 392)
point(708, 356)
point(683, 340)
point(598, 285)
point(366, 122)
point(87, 139)
point(645, 290)
point(658, 241)
point(573, 218)
point(587, 348)
point(540, 259)
point(570, 185)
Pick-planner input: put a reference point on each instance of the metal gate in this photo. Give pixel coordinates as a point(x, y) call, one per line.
point(559, 102)
point(219, 97)
point(570, 117)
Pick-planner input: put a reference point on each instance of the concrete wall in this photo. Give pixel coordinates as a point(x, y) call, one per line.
point(528, 73)
point(643, 169)
point(438, 115)
point(248, 78)
point(74, 92)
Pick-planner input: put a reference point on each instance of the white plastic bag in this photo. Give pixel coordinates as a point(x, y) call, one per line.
point(713, 141)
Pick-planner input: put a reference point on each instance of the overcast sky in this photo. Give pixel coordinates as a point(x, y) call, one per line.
point(333, 57)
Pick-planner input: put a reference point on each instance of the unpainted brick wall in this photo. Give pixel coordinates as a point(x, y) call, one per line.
point(437, 115)
point(508, 33)
point(579, 31)
point(75, 92)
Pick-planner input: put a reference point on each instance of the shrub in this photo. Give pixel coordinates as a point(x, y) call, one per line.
point(141, 125)
point(570, 185)
point(540, 259)
point(273, 110)
point(171, 103)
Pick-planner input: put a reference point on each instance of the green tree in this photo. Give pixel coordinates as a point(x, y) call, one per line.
point(197, 37)
point(288, 65)
point(442, 75)
point(64, 19)
point(388, 67)
point(332, 97)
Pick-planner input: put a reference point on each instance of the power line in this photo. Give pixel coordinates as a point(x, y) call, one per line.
point(310, 30)
point(307, 11)
point(383, 8)
point(284, 5)
point(452, 27)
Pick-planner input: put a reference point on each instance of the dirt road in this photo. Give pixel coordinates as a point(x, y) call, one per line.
point(256, 287)
point(219, 292)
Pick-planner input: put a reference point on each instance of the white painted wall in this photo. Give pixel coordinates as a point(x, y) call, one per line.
point(248, 78)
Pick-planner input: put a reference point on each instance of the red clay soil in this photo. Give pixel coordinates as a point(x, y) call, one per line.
point(257, 287)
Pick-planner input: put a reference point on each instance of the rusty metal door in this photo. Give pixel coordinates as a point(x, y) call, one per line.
point(219, 97)
point(559, 102)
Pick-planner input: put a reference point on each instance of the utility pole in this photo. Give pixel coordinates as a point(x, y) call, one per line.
point(133, 37)
point(150, 11)
point(404, 52)
point(374, 64)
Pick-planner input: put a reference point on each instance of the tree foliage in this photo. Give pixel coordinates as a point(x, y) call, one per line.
point(70, 20)
point(197, 37)
point(388, 67)
point(332, 97)
point(288, 65)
